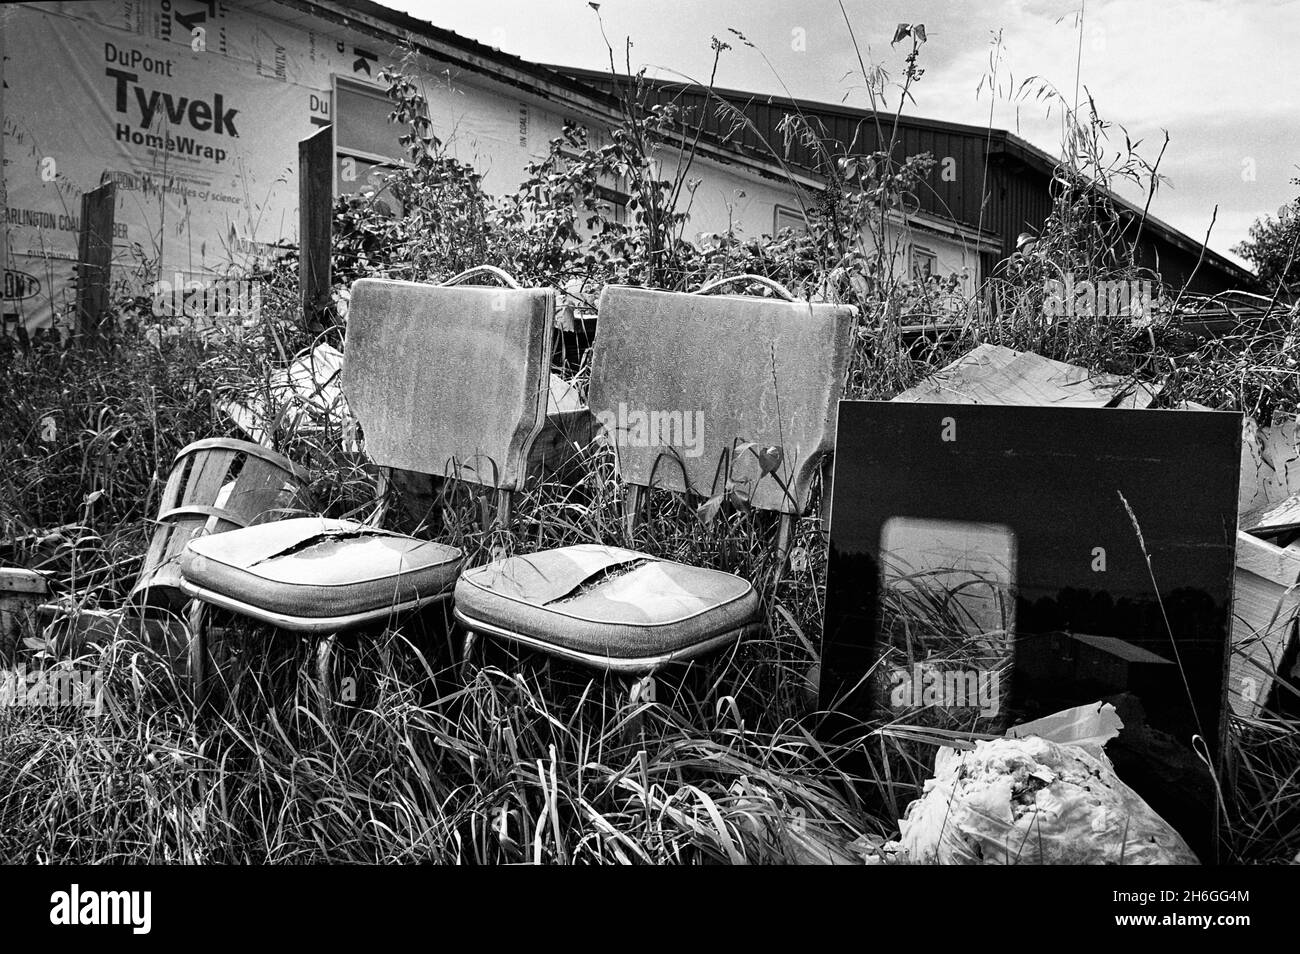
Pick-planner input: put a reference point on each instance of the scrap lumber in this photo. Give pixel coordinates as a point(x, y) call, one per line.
point(1266, 605)
point(1270, 468)
point(20, 592)
point(1275, 521)
point(992, 374)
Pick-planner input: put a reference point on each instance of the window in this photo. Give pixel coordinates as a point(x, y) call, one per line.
point(608, 191)
point(361, 121)
point(924, 264)
point(616, 201)
point(365, 142)
point(787, 218)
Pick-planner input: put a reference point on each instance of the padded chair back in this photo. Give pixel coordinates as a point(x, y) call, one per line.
point(450, 380)
point(681, 381)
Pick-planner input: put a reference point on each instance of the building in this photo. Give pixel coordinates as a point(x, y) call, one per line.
point(953, 227)
point(195, 109)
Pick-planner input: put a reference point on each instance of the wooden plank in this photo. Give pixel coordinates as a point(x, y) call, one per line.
point(1270, 467)
point(262, 491)
point(207, 476)
point(991, 374)
point(19, 580)
point(1276, 520)
point(94, 257)
point(171, 495)
point(1266, 605)
point(315, 219)
point(20, 592)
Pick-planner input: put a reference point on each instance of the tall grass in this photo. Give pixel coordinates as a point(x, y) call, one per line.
point(523, 759)
point(520, 758)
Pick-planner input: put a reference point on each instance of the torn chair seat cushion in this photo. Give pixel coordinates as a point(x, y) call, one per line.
point(315, 568)
point(598, 603)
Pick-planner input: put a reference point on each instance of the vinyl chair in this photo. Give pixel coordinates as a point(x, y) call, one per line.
point(762, 370)
point(443, 379)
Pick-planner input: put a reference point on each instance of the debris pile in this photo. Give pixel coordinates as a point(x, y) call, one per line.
point(1045, 794)
point(1032, 801)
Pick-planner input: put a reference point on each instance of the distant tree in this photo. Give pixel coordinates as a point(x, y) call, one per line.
point(1274, 249)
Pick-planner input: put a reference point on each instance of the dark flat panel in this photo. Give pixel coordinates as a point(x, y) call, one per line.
point(1041, 488)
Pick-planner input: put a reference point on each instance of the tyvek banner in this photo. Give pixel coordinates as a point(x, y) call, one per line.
point(195, 108)
point(202, 146)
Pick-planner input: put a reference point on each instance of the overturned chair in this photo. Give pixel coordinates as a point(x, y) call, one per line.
point(443, 379)
point(726, 376)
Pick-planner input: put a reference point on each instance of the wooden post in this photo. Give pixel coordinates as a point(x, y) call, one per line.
point(95, 256)
point(315, 215)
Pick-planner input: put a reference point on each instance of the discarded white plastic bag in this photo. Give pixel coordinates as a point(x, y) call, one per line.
point(301, 398)
point(1034, 801)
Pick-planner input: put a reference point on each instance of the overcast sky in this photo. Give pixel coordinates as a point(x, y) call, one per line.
point(1221, 77)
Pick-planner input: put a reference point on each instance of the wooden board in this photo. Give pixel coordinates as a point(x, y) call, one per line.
point(1266, 605)
point(315, 218)
point(95, 256)
point(991, 374)
point(1270, 468)
point(1282, 518)
point(20, 592)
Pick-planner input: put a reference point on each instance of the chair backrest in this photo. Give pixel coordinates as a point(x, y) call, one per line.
point(680, 382)
point(449, 380)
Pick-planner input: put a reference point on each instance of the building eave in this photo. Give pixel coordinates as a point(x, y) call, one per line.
point(568, 95)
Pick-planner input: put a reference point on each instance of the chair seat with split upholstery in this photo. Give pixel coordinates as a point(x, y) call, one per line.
point(315, 575)
point(607, 607)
